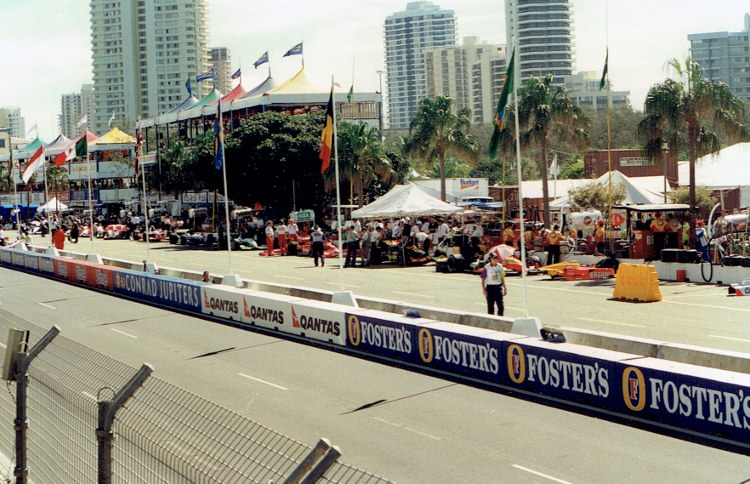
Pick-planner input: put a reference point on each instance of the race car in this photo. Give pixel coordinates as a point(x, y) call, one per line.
point(742, 289)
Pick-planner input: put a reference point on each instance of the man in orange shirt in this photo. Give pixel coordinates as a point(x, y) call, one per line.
point(599, 237)
point(58, 238)
point(509, 234)
point(554, 239)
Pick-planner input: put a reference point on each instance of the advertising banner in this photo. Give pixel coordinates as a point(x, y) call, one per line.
point(267, 310)
point(704, 400)
point(6, 257)
point(31, 261)
point(169, 291)
point(320, 321)
point(566, 371)
point(64, 269)
point(18, 259)
point(47, 265)
point(383, 334)
point(222, 301)
point(102, 277)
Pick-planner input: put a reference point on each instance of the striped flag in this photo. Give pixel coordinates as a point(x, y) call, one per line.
point(501, 103)
point(67, 154)
point(603, 82)
point(326, 145)
point(219, 144)
point(35, 162)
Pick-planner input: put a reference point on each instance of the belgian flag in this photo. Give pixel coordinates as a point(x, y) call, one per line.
point(327, 137)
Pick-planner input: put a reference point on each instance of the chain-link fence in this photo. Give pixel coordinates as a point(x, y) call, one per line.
point(162, 434)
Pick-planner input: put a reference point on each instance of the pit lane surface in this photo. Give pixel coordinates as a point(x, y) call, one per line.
point(405, 426)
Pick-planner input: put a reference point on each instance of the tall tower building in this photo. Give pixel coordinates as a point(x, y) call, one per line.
point(87, 108)
point(10, 117)
point(143, 51)
point(725, 57)
point(543, 32)
point(471, 73)
point(220, 60)
point(422, 25)
point(70, 114)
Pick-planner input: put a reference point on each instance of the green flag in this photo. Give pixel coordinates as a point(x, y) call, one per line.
point(351, 93)
point(82, 147)
point(501, 103)
point(603, 82)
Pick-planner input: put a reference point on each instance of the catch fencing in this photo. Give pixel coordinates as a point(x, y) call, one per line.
point(161, 434)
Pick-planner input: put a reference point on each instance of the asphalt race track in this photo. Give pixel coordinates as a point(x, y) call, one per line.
point(401, 425)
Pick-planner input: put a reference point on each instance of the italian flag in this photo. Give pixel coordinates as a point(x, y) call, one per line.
point(68, 154)
point(35, 162)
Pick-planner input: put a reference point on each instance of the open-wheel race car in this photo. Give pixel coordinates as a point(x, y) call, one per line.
point(116, 231)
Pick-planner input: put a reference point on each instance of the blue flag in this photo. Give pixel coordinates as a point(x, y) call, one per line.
point(187, 86)
point(261, 60)
point(237, 73)
point(219, 144)
point(204, 77)
point(296, 50)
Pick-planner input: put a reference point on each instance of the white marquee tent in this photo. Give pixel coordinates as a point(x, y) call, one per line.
point(405, 201)
point(727, 169)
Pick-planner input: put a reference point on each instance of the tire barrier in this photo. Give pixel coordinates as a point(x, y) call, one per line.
point(637, 283)
point(711, 405)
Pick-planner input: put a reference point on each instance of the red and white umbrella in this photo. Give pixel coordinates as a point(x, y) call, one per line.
point(503, 251)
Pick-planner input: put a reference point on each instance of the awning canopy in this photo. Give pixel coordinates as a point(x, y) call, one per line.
point(403, 201)
point(638, 190)
point(114, 137)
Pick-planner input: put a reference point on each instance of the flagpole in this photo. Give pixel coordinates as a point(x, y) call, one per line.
point(46, 193)
point(13, 181)
point(608, 223)
point(91, 208)
point(520, 191)
point(338, 190)
point(145, 195)
point(226, 193)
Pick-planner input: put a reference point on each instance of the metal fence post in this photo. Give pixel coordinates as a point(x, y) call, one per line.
point(21, 423)
point(322, 467)
point(310, 459)
point(107, 411)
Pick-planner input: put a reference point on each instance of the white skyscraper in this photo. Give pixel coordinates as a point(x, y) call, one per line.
point(221, 61)
point(472, 74)
point(143, 51)
point(422, 25)
point(543, 32)
point(10, 117)
point(70, 114)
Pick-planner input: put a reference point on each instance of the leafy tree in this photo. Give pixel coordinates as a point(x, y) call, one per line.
point(703, 199)
point(595, 196)
point(679, 112)
point(546, 110)
point(453, 168)
point(623, 128)
point(365, 159)
point(57, 178)
point(572, 170)
point(436, 131)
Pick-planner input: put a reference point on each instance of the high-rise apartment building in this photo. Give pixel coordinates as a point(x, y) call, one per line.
point(472, 74)
point(422, 25)
point(70, 114)
point(725, 57)
point(143, 51)
point(543, 33)
point(583, 88)
point(221, 61)
point(10, 117)
point(87, 108)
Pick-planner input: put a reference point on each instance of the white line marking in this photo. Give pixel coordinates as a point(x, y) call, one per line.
point(88, 395)
point(408, 429)
point(345, 285)
point(124, 333)
point(721, 308)
point(612, 322)
point(729, 338)
point(3, 345)
point(413, 294)
point(536, 473)
point(47, 305)
point(291, 277)
point(264, 382)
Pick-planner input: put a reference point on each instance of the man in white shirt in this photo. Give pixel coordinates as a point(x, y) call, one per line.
point(493, 285)
point(281, 233)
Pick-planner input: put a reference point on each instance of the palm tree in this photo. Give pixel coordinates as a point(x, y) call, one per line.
point(543, 110)
point(436, 131)
point(57, 179)
point(676, 112)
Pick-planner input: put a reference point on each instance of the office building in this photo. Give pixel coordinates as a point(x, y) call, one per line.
point(10, 117)
point(222, 63)
point(143, 51)
point(725, 57)
point(87, 108)
point(408, 33)
point(583, 88)
point(472, 74)
point(543, 32)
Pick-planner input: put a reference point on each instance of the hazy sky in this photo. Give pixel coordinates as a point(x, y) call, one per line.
point(44, 44)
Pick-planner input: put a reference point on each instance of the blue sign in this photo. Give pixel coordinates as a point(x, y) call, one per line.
point(170, 291)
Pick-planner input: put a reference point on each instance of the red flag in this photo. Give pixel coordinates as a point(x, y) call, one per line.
point(68, 154)
point(327, 137)
point(37, 160)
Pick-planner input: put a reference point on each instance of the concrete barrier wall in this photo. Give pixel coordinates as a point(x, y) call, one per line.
point(721, 275)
